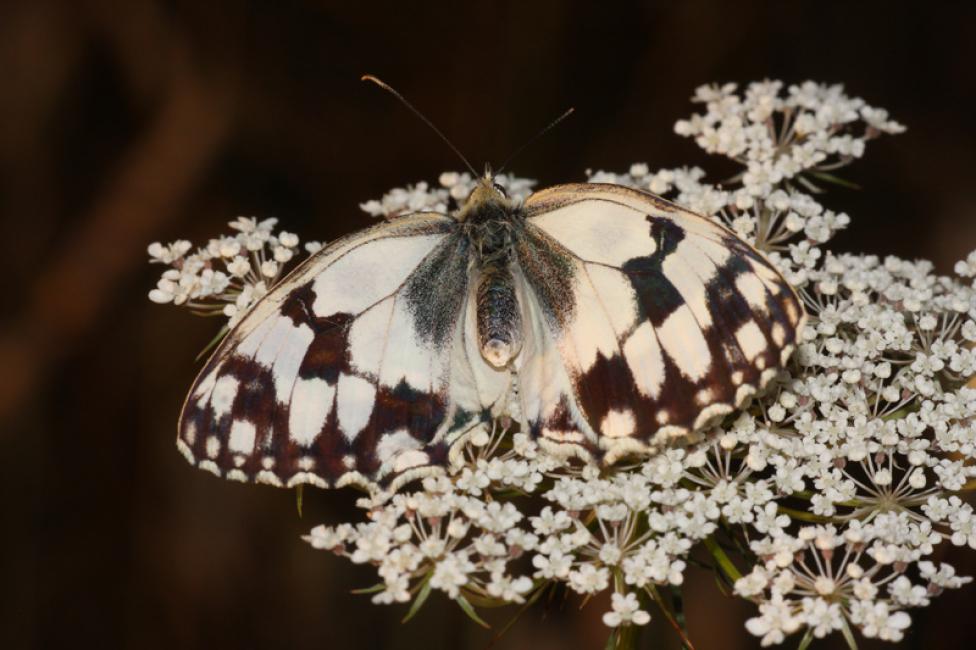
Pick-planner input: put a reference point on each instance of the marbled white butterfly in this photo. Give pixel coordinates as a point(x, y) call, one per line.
point(606, 321)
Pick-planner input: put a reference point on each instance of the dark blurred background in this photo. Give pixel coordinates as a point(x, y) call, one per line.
point(126, 122)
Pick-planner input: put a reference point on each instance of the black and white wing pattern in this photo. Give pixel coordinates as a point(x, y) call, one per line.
point(357, 368)
point(647, 321)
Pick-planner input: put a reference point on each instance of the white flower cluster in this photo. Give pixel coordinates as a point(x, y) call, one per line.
point(475, 535)
point(453, 188)
point(230, 273)
point(872, 438)
point(809, 131)
point(823, 502)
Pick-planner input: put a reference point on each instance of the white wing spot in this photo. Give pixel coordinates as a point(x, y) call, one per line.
point(672, 431)
point(190, 432)
point(306, 477)
point(678, 272)
point(743, 394)
point(242, 435)
point(222, 398)
point(268, 478)
point(643, 356)
point(209, 466)
point(186, 451)
point(751, 340)
point(355, 404)
point(410, 458)
point(704, 396)
point(663, 417)
point(392, 445)
point(213, 446)
point(682, 339)
point(618, 424)
point(311, 403)
point(779, 334)
point(784, 355)
point(710, 413)
point(753, 290)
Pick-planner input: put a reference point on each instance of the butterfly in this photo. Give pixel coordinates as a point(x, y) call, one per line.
point(606, 321)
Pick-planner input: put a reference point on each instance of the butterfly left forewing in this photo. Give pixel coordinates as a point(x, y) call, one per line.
point(353, 369)
point(662, 319)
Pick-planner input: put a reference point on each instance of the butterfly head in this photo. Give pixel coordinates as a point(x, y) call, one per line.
point(487, 201)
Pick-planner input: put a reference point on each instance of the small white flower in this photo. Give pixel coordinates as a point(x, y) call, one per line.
point(877, 620)
point(451, 573)
point(167, 254)
point(287, 239)
point(776, 620)
point(269, 269)
point(589, 579)
point(626, 611)
point(554, 565)
point(509, 589)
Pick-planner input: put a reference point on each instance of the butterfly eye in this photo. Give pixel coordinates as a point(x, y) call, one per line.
point(501, 190)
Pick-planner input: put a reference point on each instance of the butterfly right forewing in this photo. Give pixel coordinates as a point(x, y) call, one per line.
point(651, 320)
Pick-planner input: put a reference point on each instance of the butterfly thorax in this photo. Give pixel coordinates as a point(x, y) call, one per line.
point(490, 220)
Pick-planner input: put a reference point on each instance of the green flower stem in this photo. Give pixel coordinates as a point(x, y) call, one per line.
point(806, 640)
point(673, 617)
point(624, 637)
point(848, 636)
point(421, 598)
point(805, 516)
point(723, 560)
point(538, 589)
point(467, 608)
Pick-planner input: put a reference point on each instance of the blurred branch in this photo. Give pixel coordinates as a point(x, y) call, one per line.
point(151, 184)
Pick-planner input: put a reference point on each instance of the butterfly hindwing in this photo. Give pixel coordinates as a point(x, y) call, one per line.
point(657, 321)
point(355, 368)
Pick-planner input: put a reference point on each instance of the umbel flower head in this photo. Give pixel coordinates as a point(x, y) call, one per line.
point(823, 502)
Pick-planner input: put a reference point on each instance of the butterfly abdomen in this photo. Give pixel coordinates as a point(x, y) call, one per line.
point(498, 315)
point(499, 322)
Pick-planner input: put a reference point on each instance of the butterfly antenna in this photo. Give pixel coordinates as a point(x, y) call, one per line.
point(535, 137)
point(387, 88)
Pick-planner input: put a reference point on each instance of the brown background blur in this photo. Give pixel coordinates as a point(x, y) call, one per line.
point(127, 122)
